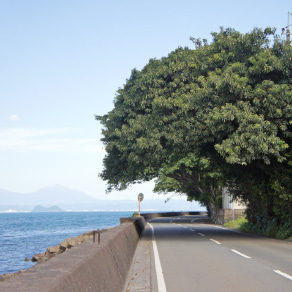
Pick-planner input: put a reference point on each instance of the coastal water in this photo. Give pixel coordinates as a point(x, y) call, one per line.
point(22, 235)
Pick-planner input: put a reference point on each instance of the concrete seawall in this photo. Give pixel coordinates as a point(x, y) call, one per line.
point(87, 267)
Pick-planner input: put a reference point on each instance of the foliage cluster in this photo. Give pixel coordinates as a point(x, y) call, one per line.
point(199, 119)
point(268, 227)
point(236, 224)
point(135, 214)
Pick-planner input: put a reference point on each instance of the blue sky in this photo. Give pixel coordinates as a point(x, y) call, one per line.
point(62, 62)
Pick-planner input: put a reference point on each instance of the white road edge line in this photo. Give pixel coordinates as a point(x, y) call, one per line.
point(201, 234)
point(241, 254)
point(283, 274)
point(219, 227)
point(217, 242)
point(159, 273)
point(227, 229)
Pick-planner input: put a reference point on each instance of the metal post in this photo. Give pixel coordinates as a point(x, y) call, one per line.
point(98, 238)
point(140, 199)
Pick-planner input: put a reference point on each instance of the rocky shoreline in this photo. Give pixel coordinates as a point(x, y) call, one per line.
point(55, 250)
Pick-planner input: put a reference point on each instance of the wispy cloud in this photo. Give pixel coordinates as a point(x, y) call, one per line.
point(14, 118)
point(22, 139)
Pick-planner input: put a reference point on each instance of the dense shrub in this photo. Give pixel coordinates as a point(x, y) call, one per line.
point(271, 228)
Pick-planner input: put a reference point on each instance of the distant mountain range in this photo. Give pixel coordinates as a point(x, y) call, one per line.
point(73, 200)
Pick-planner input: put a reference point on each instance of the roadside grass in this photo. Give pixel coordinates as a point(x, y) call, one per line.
point(236, 224)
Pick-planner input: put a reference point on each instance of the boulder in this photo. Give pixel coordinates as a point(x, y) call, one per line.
point(36, 258)
point(63, 245)
point(40, 257)
point(53, 249)
point(87, 236)
point(80, 238)
point(7, 276)
point(73, 241)
point(45, 258)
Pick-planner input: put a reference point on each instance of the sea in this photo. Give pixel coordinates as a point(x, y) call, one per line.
point(22, 235)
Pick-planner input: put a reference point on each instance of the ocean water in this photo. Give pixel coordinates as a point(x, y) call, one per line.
point(22, 235)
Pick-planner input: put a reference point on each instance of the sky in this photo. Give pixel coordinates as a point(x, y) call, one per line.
point(63, 61)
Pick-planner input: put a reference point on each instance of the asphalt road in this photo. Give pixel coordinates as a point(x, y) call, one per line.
point(188, 256)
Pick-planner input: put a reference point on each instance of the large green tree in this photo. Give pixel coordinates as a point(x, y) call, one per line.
point(196, 118)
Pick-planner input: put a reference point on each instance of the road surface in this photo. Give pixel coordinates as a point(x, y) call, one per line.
point(183, 255)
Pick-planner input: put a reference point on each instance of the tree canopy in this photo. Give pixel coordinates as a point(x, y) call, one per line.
point(198, 118)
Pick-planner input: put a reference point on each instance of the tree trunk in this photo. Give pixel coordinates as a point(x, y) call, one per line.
point(213, 211)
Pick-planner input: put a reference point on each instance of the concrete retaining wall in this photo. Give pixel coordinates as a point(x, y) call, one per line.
point(226, 215)
point(87, 267)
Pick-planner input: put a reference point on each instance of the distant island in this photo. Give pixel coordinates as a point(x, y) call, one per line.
point(74, 200)
point(39, 208)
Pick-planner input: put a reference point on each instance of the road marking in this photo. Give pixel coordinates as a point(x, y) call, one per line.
point(283, 274)
point(227, 229)
point(201, 234)
point(217, 242)
point(241, 254)
point(193, 230)
point(219, 227)
point(159, 273)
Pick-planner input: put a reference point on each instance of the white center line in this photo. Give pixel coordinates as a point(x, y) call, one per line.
point(217, 242)
point(241, 254)
point(283, 274)
point(159, 273)
point(201, 234)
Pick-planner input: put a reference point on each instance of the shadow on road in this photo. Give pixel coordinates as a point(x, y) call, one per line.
point(196, 228)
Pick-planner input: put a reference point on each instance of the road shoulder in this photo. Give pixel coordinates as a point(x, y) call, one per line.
point(140, 276)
